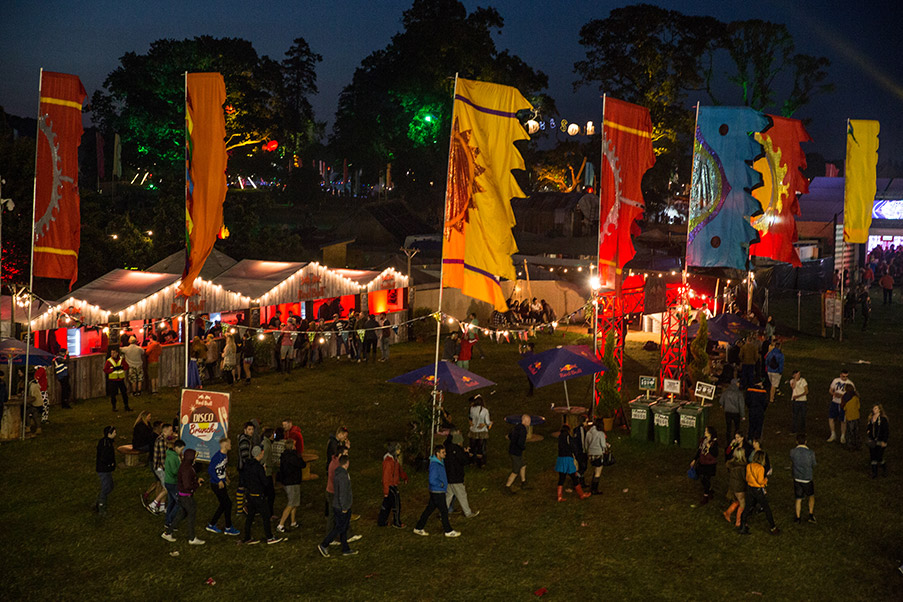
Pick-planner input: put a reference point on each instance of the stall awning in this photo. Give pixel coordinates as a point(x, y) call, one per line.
point(254, 278)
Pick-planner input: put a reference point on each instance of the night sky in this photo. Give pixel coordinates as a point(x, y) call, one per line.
point(88, 38)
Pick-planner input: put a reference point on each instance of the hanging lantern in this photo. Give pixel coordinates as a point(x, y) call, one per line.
point(532, 126)
point(573, 129)
point(590, 128)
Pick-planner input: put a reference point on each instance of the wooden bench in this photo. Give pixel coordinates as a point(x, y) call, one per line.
point(309, 457)
point(132, 457)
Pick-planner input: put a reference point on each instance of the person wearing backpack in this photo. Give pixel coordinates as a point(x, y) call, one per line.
point(774, 365)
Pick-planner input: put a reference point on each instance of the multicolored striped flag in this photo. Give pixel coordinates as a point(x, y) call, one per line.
point(478, 242)
point(57, 213)
point(205, 170)
point(860, 179)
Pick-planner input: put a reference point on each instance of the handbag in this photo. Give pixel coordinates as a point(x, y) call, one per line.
point(608, 458)
point(692, 473)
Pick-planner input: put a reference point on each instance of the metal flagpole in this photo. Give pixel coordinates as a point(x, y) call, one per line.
point(843, 252)
point(441, 283)
point(187, 316)
point(685, 275)
point(34, 200)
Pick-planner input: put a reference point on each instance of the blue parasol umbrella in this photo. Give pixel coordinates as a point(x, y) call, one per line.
point(451, 378)
point(725, 327)
point(560, 365)
point(14, 350)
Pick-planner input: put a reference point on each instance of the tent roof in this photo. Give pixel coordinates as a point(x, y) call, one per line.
point(217, 263)
point(359, 277)
point(118, 289)
point(253, 277)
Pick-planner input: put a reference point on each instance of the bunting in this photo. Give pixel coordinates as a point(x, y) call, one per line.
point(860, 182)
point(720, 203)
point(57, 216)
point(205, 167)
point(782, 183)
point(626, 155)
point(478, 242)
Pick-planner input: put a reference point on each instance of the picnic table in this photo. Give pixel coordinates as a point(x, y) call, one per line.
point(309, 457)
point(569, 415)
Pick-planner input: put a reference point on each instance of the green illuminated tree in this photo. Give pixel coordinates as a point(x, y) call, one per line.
point(700, 367)
point(398, 105)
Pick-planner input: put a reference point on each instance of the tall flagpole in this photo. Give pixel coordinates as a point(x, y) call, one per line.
point(594, 290)
point(685, 275)
point(187, 316)
point(34, 205)
point(843, 250)
point(435, 395)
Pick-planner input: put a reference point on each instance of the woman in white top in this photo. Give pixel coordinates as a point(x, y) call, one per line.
point(479, 430)
point(595, 448)
point(799, 393)
point(230, 360)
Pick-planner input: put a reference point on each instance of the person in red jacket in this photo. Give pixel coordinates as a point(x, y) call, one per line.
point(393, 473)
point(116, 369)
point(293, 432)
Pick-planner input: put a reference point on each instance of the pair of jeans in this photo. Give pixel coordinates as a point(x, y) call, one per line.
point(257, 504)
point(747, 375)
point(118, 386)
point(888, 296)
point(391, 505)
point(172, 504)
point(106, 486)
point(798, 409)
point(437, 502)
point(756, 423)
point(384, 348)
point(225, 505)
point(755, 496)
point(189, 511)
point(340, 530)
point(732, 423)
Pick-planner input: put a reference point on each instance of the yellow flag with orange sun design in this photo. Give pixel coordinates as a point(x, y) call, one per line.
point(477, 238)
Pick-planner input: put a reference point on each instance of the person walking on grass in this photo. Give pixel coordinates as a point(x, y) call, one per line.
point(799, 394)
point(480, 424)
point(188, 485)
point(255, 485)
point(338, 439)
point(393, 474)
point(105, 464)
point(736, 483)
point(734, 407)
point(802, 463)
point(517, 443)
point(851, 416)
point(61, 371)
point(247, 355)
point(756, 496)
point(438, 486)
point(757, 404)
point(158, 465)
point(878, 432)
point(291, 466)
point(456, 457)
point(566, 464)
point(774, 366)
point(219, 482)
point(706, 462)
point(384, 334)
point(245, 444)
point(341, 509)
point(171, 480)
point(331, 467)
point(116, 369)
point(595, 448)
point(835, 410)
point(887, 286)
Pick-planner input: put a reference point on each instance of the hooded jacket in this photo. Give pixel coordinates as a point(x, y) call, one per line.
point(106, 455)
point(392, 473)
point(438, 479)
point(187, 477)
point(455, 460)
point(732, 399)
point(342, 500)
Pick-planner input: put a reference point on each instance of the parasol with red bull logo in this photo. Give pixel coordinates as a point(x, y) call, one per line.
point(560, 365)
point(451, 378)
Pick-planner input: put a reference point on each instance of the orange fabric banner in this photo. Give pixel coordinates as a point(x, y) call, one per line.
point(782, 183)
point(57, 214)
point(626, 155)
point(205, 170)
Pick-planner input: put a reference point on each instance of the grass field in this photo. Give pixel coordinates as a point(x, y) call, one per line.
point(641, 540)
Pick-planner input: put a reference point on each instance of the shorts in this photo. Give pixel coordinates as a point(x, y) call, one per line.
point(595, 461)
point(835, 412)
point(153, 370)
point(517, 462)
point(161, 474)
point(293, 495)
point(286, 351)
point(775, 378)
point(803, 490)
point(248, 361)
point(136, 375)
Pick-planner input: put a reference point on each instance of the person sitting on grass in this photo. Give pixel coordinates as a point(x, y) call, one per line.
point(188, 485)
point(802, 462)
point(106, 464)
point(291, 466)
point(756, 495)
point(438, 486)
point(219, 482)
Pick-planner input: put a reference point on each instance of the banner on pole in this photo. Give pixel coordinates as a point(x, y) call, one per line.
point(860, 179)
point(204, 420)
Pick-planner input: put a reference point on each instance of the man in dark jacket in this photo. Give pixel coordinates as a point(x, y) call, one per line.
point(370, 337)
point(340, 438)
point(456, 457)
point(106, 464)
point(291, 466)
point(255, 479)
point(188, 483)
point(245, 443)
point(517, 444)
point(756, 404)
point(342, 509)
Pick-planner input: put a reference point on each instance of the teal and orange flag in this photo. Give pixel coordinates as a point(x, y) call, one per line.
point(205, 170)
point(477, 238)
point(860, 179)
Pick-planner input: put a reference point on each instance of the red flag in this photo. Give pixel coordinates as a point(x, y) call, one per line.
point(782, 183)
point(626, 155)
point(205, 166)
point(57, 218)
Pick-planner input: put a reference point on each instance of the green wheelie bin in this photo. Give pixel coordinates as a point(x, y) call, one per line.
point(664, 419)
point(641, 418)
point(693, 419)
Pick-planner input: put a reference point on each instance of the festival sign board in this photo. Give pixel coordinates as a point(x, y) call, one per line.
point(648, 383)
point(204, 420)
point(705, 391)
point(671, 386)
